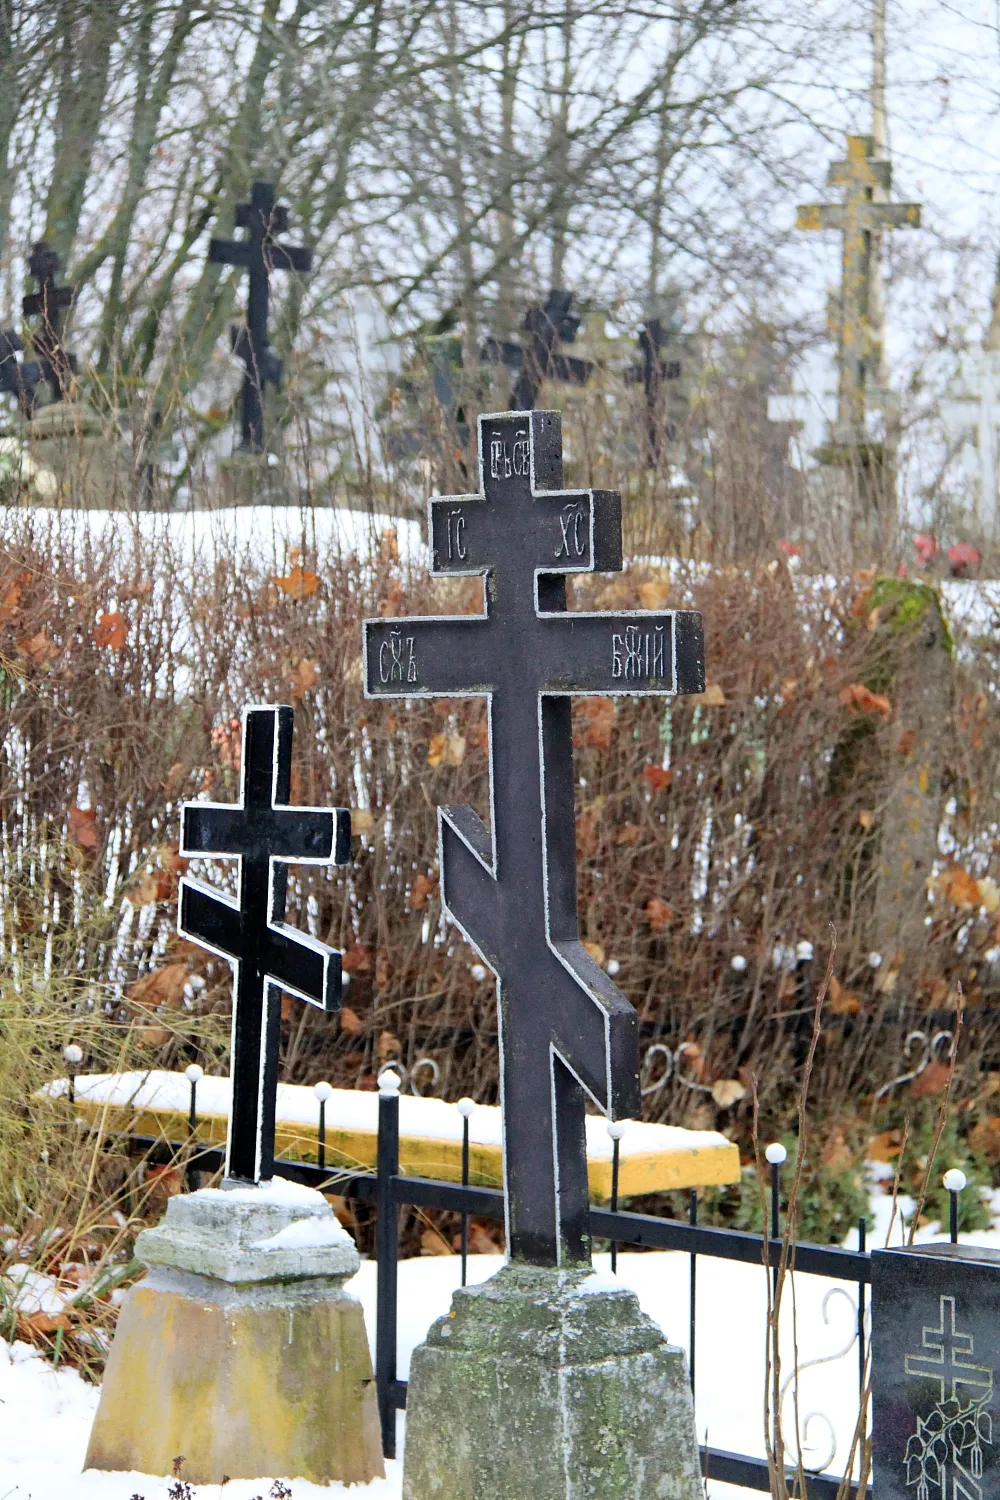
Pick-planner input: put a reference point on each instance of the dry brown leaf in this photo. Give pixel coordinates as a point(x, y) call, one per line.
point(856, 696)
point(478, 735)
point(628, 835)
point(161, 987)
point(298, 583)
point(82, 830)
point(39, 648)
point(728, 1091)
point(984, 1139)
point(110, 631)
point(655, 594)
point(44, 1322)
point(142, 889)
point(933, 1080)
point(350, 1021)
point(421, 888)
point(596, 952)
point(388, 548)
point(841, 1002)
point(387, 1046)
point(10, 605)
point(433, 1243)
point(989, 894)
point(885, 1147)
point(356, 958)
point(587, 835)
point(959, 887)
point(866, 817)
point(656, 778)
point(436, 749)
point(658, 914)
point(362, 820)
point(303, 676)
point(712, 697)
point(595, 722)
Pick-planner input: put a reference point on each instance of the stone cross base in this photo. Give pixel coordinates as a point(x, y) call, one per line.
point(241, 1349)
point(551, 1384)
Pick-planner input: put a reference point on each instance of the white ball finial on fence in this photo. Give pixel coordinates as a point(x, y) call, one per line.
point(72, 1055)
point(776, 1154)
point(955, 1180)
point(323, 1092)
point(465, 1107)
point(193, 1073)
point(388, 1083)
point(616, 1129)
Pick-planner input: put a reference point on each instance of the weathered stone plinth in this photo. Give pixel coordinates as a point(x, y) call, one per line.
point(69, 440)
point(241, 1350)
point(552, 1385)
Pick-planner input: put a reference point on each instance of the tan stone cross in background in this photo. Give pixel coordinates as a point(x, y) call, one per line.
point(864, 211)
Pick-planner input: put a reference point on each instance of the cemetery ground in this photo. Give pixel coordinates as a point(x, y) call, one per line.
point(718, 841)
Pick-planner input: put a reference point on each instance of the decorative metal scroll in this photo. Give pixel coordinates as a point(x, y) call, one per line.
point(932, 1053)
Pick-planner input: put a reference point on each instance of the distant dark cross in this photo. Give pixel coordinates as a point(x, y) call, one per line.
point(259, 254)
point(17, 377)
point(656, 372)
point(565, 1030)
point(50, 303)
point(535, 360)
point(265, 834)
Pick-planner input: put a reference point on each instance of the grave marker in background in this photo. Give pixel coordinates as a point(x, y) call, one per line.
point(535, 359)
point(259, 254)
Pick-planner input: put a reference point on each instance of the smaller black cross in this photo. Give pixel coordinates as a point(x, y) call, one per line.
point(656, 372)
point(259, 254)
point(535, 359)
point(17, 377)
point(265, 834)
point(50, 303)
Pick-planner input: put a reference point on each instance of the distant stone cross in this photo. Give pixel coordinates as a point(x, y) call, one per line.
point(265, 834)
point(17, 377)
point(565, 1030)
point(50, 304)
point(535, 359)
point(259, 254)
point(857, 217)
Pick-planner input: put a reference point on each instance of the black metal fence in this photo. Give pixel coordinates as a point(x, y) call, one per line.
point(389, 1191)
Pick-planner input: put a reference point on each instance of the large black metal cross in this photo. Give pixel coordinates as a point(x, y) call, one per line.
point(265, 834)
point(565, 1030)
point(259, 254)
point(50, 303)
point(535, 359)
point(660, 366)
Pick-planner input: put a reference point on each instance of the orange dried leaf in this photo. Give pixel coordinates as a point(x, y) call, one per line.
point(655, 594)
point(656, 778)
point(628, 835)
point(856, 696)
point(596, 952)
point(356, 958)
point(303, 676)
point(959, 887)
point(11, 602)
point(39, 648)
point(350, 1021)
point(161, 987)
point(422, 887)
point(712, 697)
point(82, 830)
point(436, 749)
point(299, 583)
point(595, 722)
point(111, 632)
point(658, 914)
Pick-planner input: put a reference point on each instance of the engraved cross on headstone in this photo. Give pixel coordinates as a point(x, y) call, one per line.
point(259, 254)
point(565, 1030)
point(863, 178)
point(50, 303)
point(265, 834)
point(949, 1359)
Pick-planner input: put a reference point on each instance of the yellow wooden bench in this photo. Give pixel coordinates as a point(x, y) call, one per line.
point(653, 1158)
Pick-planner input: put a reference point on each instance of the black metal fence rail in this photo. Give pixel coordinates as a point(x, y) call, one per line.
point(388, 1190)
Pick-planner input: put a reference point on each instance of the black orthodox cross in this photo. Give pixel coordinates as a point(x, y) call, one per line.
point(655, 372)
point(265, 834)
point(50, 304)
point(565, 1030)
point(17, 377)
point(535, 359)
point(259, 254)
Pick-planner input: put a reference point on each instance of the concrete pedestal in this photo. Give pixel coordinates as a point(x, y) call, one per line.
point(553, 1385)
point(69, 440)
point(240, 1349)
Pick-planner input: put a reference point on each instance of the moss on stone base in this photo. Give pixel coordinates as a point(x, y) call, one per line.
point(552, 1385)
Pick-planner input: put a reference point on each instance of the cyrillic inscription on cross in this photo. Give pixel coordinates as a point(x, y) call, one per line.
point(265, 834)
point(260, 254)
point(565, 1030)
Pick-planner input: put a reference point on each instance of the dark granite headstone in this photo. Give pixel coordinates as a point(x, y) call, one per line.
point(935, 1353)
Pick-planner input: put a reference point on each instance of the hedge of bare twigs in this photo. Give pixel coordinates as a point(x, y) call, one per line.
point(711, 839)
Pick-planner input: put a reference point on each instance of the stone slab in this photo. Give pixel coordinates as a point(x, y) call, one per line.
point(277, 1231)
point(262, 1381)
point(552, 1384)
point(935, 1360)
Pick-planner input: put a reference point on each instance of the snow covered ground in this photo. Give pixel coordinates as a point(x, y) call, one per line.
point(45, 1414)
